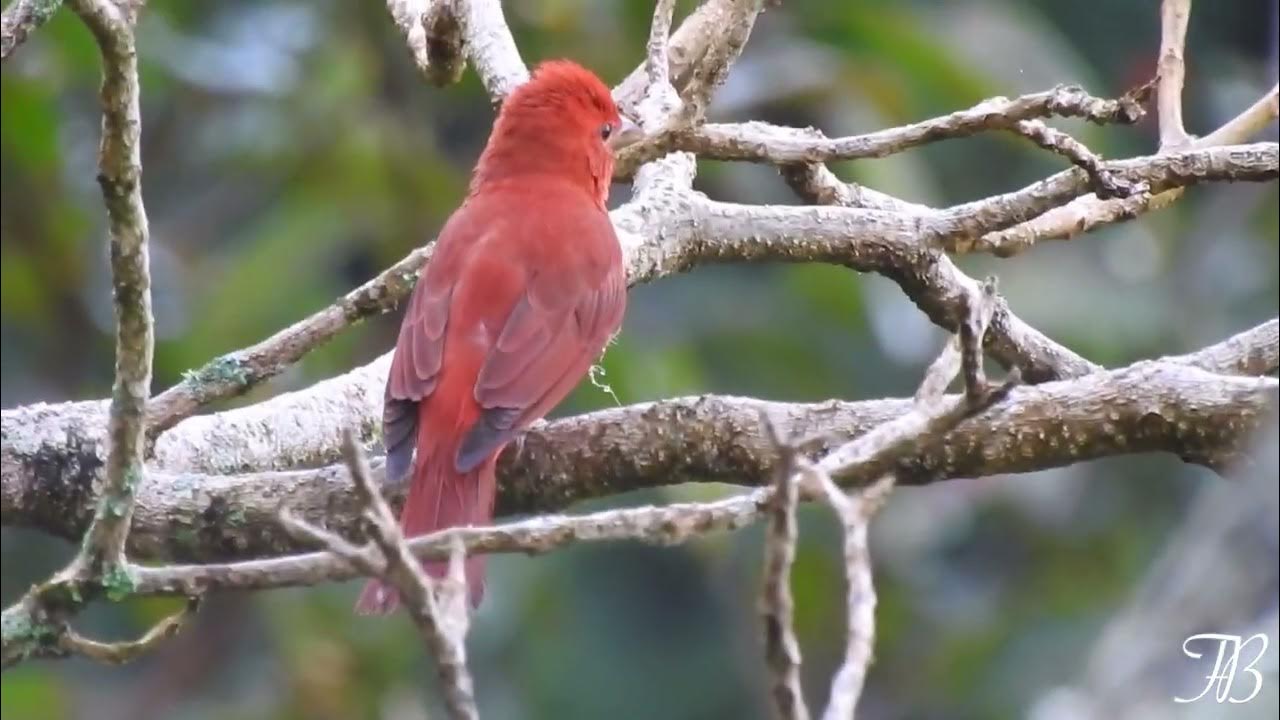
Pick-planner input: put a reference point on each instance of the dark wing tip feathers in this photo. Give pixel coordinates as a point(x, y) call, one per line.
point(495, 427)
point(399, 428)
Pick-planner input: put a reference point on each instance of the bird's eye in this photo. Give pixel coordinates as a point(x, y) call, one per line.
point(605, 131)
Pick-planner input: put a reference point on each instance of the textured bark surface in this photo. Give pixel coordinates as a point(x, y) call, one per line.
point(190, 510)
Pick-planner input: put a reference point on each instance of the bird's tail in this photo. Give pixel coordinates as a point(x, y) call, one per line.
point(439, 497)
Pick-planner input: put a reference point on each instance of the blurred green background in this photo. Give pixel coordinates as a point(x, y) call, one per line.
point(291, 151)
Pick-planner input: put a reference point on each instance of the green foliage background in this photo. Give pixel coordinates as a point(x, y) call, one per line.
point(291, 151)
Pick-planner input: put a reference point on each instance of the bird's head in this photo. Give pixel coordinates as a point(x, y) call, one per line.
point(563, 122)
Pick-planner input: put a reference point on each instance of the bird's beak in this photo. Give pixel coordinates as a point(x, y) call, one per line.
point(627, 134)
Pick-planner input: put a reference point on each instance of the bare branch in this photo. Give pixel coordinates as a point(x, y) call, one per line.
point(666, 525)
point(1174, 15)
point(362, 559)
point(235, 373)
point(876, 452)
point(1006, 223)
point(860, 599)
point(657, 62)
point(50, 453)
point(653, 252)
point(781, 648)
point(685, 47)
point(871, 453)
point(442, 621)
point(1088, 213)
point(20, 19)
point(816, 183)
point(438, 609)
point(762, 142)
point(120, 175)
point(1104, 184)
point(660, 101)
point(490, 47)
point(710, 71)
point(1255, 351)
point(434, 35)
point(119, 653)
point(1148, 406)
point(1245, 125)
point(935, 285)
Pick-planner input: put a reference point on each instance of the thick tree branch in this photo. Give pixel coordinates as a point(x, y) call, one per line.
point(1255, 351)
point(723, 50)
point(1162, 406)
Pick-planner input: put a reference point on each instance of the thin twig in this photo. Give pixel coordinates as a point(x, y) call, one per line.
point(657, 62)
point(119, 653)
point(1174, 15)
point(438, 610)
point(660, 101)
point(855, 514)
point(1022, 216)
point(781, 648)
point(120, 175)
point(763, 142)
point(237, 372)
point(1088, 213)
point(1105, 184)
point(1244, 126)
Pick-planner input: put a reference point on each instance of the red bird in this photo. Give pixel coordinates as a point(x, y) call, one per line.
point(525, 288)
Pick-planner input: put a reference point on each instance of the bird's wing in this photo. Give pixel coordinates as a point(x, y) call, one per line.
point(415, 367)
point(558, 326)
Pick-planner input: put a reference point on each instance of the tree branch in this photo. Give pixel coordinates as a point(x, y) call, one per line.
point(1104, 184)
point(1174, 15)
point(490, 47)
point(781, 648)
point(957, 228)
point(762, 142)
point(433, 32)
point(1165, 406)
point(235, 373)
point(1245, 125)
point(439, 610)
point(120, 175)
point(20, 19)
